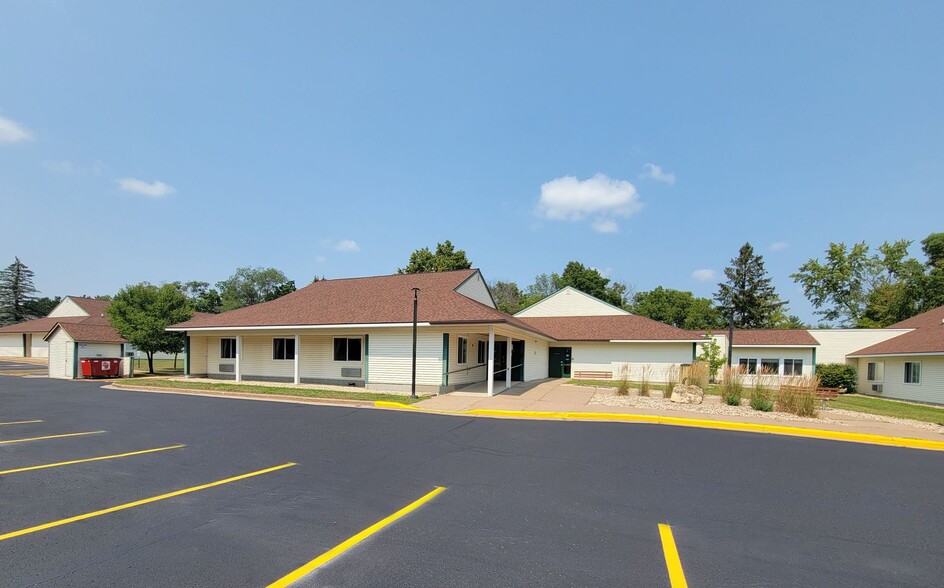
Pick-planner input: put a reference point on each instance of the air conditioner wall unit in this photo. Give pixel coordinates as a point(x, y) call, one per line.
point(877, 388)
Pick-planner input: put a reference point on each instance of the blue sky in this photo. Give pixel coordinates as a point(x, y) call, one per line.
point(175, 140)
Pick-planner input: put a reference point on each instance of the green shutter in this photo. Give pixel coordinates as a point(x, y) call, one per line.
point(814, 361)
point(186, 354)
point(366, 356)
point(75, 360)
point(445, 363)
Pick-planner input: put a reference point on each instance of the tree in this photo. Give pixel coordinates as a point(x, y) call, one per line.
point(16, 293)
point(543, 286)
point(711, 354)
point(678, 308)
point(507, 296)
point(748, 293)
point(142, 312)
point(202, 297)
point(41, 307)
point(446, 258)
point(252, 285)
point(589, 280)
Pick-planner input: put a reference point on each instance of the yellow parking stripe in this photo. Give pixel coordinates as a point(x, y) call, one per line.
point(128, 505)
point(342, 547)
point(88, 459)
point(672, 562)
point(19, 423)
point(8, 441)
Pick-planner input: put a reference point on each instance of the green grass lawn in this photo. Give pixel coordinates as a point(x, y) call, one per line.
point(258, 389)
point(892, 408)
point(161, 366)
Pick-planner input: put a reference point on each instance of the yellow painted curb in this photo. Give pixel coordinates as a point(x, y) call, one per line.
point(688, 422)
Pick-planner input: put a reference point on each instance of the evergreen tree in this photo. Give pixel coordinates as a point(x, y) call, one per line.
point(16, 293)
point(748, 293)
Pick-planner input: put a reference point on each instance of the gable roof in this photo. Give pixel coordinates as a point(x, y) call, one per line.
point(609, 328)
point(931, 318)
point(90, 329)
point(927, 336)
point(773, 338)
point(362, 301)
point(90, 305)
point(40, 325)
point(606, 309)
point(93, 308)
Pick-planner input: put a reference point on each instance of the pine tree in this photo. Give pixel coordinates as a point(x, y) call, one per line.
point(16, 293)
point(748, 292)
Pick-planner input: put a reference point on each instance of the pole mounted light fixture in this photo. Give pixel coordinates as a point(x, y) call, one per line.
point(416, 292)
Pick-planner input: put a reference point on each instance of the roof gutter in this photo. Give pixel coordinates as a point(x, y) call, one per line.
point(299, 327)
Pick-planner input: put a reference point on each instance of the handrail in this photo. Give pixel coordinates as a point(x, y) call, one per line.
point(466, 369)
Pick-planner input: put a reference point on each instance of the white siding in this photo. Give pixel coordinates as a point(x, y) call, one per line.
point(778, 353)
point(391, 353)
point(570, 302)
point(535, 359)
point(60, 355)
point(38, 347)
point(198, 355)
point(67, 307)
point(611, 357)
point(836, 344)
point(99, 350)
point(317, 358)
point(467, 376)
point(476, 289)
point(257, 359)
point(11, 345)
point(931, 388)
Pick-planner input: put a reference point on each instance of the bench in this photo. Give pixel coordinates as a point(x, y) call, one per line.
point(593, 375)
point(821, 393)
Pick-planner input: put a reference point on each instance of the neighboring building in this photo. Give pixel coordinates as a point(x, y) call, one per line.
point(26, 339)
point(909, 366)
point(776, 352)
point(70, 342)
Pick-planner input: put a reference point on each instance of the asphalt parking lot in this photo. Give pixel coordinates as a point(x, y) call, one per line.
point(193, 491)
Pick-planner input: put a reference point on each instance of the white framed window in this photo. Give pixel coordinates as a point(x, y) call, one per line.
point(770, 367)
point(463, 351)
point(748, 366)
point(482, 352)
point(228, 348)
point(346, 349)
point(793, 367)
point(912, 372)
point(283, 348)
point(875, 371)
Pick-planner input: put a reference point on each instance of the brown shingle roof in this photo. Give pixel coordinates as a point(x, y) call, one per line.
point(40, 325)
point(773, 337)
point(373, 300)
point(608, 328)
point(91, 330)
point(90, 305)
point(925, 340)
point(931, 318)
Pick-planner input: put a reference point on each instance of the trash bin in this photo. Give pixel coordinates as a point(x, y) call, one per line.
point(101, 367)
point(86, 367)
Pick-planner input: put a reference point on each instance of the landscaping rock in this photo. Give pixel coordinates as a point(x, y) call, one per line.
point(687, 394)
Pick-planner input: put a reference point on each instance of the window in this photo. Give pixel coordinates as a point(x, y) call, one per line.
point(347, 349)
point(227, 348)
point(463, 354)
point(748, 366)
point(770, 367)
point(283, 348)
point(793, 367)
point(912, 372)
point(483, 352)
point(875, 371)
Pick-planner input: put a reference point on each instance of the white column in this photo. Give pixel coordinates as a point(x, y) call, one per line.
point(298, 346)
point(508, 365)
point(491, 361)
point(239, 357)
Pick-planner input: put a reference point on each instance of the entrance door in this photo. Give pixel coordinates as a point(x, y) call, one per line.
point(558, 362)
point(517, 360)
point(27, 344)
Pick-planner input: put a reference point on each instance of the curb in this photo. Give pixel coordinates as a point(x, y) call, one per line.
point(868, 438)
point(247, 396)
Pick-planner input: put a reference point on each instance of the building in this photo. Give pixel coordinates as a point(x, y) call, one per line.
point(72, 341)
point(27, 339)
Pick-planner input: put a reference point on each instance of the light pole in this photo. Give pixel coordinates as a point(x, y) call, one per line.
point(415, 306)
point(730, 336)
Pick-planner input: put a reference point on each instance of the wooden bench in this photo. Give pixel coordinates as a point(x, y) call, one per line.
point(593, 375)
point(822, 393)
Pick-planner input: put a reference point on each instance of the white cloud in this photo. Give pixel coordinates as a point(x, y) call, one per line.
point(657, 174)
point(704, 275)
point(605, 225)
point(347, 246)
point(155, 189)
point(779, 246)
point(13, 132)
point(320, 259)
point(570, 199)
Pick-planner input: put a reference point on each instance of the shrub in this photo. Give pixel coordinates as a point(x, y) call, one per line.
point(622, 386)
point(671, 379)
point(837, 375)
point(698, 375)
point(806, 407)
point(645, 386)
point(797, 396)
point(761, 394)
point(732, 388)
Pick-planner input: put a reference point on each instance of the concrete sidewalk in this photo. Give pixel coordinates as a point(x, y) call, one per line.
point(558, 396)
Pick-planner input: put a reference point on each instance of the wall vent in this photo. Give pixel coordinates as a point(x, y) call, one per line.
point(227, 368)
point(350, 372)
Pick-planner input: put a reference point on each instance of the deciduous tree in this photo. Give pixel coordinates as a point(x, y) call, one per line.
point(446, 258)
point(142, 312)
point(678, 308)
point(507, 295)
point(252, 285)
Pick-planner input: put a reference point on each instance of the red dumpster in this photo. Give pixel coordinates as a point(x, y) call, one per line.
point(101, 367)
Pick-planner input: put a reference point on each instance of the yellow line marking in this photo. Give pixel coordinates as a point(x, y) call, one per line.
point(19, 423)
point(144, 501)
point(672, 562)
point(687, 422)
point(8, 441)
point(88, 459)
point(334, 552)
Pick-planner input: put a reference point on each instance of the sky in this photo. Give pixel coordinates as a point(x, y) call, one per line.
point(160, 141)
